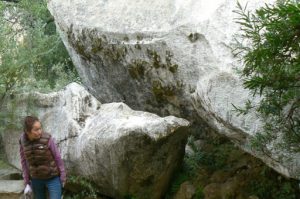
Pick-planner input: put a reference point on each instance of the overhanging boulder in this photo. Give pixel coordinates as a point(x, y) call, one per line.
point(168, 57)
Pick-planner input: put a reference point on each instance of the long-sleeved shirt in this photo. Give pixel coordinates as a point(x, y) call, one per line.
point(56, 154)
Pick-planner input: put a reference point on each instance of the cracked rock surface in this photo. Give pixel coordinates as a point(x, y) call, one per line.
point(167, 57)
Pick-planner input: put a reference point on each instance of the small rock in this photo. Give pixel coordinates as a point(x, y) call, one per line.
point(253, 197)
point(11, 189)
point(219, 176)
point(213, 191)
point(188, 150)
point(199, 144)
point(186, 191)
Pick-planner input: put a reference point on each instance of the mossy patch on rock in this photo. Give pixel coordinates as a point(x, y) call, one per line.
point(193, 37)
point(126, 38)
point(173, 68)
point(155, 58)
point(138, 46)
point(114, 52)
point(137, 69)
point(139, 37)
point(97, 45)
point(162, 92)
point(157, 62)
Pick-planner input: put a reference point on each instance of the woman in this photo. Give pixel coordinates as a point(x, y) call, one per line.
point(41, 161)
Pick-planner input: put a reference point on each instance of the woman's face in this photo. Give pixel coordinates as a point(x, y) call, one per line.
point(36, 131)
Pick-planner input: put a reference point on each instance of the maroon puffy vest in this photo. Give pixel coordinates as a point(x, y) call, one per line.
point(39, 157)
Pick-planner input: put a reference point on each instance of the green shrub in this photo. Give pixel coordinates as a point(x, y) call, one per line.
point(269, 47)
point(78, 187)
point(33, 56)
point(270, 185)
point(199, 193)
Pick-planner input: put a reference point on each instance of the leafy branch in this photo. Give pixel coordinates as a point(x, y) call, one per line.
point(270, 50)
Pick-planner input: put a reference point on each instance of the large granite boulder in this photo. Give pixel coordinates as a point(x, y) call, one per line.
point(125, 152)
point(167, 57)
point(131, 152)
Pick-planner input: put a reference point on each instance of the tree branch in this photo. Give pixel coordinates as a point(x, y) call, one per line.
point(11, 1)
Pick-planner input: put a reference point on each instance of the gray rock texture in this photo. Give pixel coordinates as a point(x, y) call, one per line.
point(125, 152)
point(11, 183)
point(168, 57)
point(137, 151)
point(186, 191)
point(62, 113)
point(11, 189)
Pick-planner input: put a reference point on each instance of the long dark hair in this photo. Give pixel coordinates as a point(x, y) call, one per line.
point(28, 123)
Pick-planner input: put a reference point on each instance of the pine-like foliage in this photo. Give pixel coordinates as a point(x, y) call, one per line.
point(270, 50)
point(32, 55)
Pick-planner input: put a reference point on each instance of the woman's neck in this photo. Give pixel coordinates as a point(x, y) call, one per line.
point(29, 137)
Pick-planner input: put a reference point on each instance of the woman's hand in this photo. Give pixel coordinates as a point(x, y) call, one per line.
point(63, 184)
point(27, 190)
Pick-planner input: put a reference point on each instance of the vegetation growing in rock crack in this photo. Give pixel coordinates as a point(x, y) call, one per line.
point(237, 174)
point(79, 187)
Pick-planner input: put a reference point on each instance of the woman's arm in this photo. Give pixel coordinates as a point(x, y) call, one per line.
point(24, 166)
point(58, 160)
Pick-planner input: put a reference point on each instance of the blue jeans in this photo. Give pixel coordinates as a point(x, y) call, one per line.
point(53, 185)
